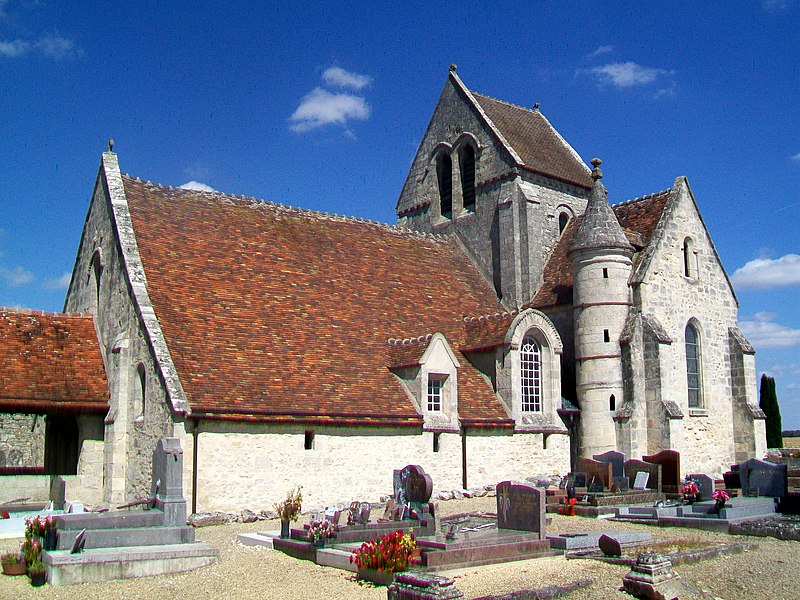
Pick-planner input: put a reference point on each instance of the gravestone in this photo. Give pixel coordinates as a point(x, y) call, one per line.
point(670, 461)
point(397, 487)
point(761, 478)
point(167, 487)
point(596, 486)
point(414, 485)
point(609, 546)
point(364, 510)
point(617, 460)
point(58, 492)
point(705, 485)
point(422, 586)
point(640, 483)
point(596, 471)
point(579, 480)
point(632, 467)
point(521, 507)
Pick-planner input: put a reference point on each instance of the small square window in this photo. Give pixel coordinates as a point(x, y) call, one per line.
point(309, 441)
point(435, 385)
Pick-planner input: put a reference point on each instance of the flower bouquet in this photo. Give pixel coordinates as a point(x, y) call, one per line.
point(319, 531)
point(380, 559)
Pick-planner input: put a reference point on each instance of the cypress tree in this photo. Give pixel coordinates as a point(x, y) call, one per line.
point(769, 404)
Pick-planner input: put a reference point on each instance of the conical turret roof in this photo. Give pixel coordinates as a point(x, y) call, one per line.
point(599, 228)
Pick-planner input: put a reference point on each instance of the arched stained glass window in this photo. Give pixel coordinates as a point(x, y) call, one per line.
point(530, 355)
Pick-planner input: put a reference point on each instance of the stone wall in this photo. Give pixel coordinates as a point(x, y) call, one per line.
point(35, 487)
point(21, 440)
point(708, 301)
point(250, 466)
point(129, 437)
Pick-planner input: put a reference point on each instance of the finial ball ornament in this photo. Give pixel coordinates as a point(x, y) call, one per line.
point(596, 172)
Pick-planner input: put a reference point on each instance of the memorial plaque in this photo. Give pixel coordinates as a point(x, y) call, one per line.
point(670, 461)
point(596, 471)
point(632, 467)
point(617, 460)
point(620, 484)
point(640, 483)
point(609, 546)
point(520, 507)
point(762, 478)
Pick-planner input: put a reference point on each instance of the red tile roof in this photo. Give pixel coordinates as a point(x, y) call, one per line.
point(536, 142)
point(638, 218)
point(274, 313)
point(50, 363)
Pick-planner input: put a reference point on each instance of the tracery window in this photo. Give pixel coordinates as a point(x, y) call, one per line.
point(530, 355)
point(694, 373)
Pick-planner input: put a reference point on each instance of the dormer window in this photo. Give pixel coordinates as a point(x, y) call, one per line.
point(435, 387)
point(444, 175)
point(530, 355)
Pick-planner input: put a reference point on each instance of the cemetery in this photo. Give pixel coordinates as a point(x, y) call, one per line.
point(640, 518)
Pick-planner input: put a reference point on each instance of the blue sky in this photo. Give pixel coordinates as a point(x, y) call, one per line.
point(324, 108)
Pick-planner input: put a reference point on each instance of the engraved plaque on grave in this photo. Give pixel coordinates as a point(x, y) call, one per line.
point(640, 483)
point(520, 507)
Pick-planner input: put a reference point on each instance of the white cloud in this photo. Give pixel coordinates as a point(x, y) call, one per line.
point(60, 283)
point(14, 48)
point(765, 273)
point(763, 332)
point(628, 74)
point(51, 46)
point(58, 47)
point(796, 157)
point(776, 6)
point(338, 77)
point(15, 277)
point(601, 50)
point(321, 107)
point(197, 186)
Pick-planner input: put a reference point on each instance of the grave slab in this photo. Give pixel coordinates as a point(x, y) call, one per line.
point(586, 540)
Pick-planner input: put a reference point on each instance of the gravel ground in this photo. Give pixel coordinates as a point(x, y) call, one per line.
point(770, 571)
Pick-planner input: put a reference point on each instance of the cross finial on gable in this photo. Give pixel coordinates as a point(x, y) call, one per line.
point(453, 67)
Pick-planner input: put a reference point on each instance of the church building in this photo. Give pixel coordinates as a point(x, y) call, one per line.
point(510, 322)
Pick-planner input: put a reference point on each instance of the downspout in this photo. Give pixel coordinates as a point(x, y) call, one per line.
point(196, 437)
point(464, 457)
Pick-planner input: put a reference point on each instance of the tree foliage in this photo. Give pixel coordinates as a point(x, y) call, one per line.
point(769, 404)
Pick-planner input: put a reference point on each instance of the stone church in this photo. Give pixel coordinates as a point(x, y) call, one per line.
point(511, 321)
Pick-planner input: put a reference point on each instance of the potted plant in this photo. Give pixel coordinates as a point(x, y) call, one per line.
point(13, 563)
point(31, 550)
point(379, 560)
point(289, 509)
point(690, 490)
point(38, 573)
point(721, 497)
point(319, 531)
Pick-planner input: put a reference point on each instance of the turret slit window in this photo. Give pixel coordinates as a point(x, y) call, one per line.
point(689, 258)
point(612, 402)
point(466, 158)
point(140, 391)
point(531, 375)
point(444, 174)
point(435, 385)
point(97, 272)
point(693, 367)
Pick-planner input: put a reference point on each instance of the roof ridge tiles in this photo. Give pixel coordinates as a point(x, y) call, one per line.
point(298, 210)
point(641, 198)
point(494, 316)
point(406, 342)
point(6, 310)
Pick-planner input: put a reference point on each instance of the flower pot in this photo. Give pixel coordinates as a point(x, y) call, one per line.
point(49, 542)
point(720, 504)
point(15, 569)
point(284, 529)
point(375, 576)
point(38, 579)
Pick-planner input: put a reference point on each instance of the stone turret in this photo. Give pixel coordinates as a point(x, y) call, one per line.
point(601, 266)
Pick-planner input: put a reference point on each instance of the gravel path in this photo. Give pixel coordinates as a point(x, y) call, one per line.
point(770, 571)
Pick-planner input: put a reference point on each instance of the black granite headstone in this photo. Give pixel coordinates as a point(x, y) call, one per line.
point(761, 478)
point(617, 460)
point(520, 507)
point(609, 546)
point(705, 485)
